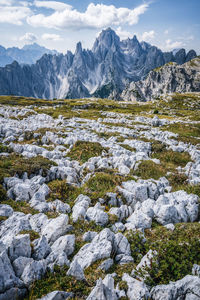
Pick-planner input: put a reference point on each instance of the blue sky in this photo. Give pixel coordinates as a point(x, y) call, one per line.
point(59, 25)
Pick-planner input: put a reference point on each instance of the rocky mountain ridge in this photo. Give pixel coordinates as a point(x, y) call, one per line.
point(29, 54)
point(102, 72)
point(171, 78)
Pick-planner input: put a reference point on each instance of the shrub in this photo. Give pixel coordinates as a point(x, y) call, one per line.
point(177, 251)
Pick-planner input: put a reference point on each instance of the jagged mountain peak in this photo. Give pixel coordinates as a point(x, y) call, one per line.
point(103, 71)
point(106, 39)
point(78, 48)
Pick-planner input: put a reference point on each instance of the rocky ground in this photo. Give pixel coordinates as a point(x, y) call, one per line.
point(100, 199)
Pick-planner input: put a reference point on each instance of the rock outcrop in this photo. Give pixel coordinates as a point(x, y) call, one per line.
point(171, 78)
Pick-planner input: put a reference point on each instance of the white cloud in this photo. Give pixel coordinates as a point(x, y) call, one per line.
point(51, 37)
point(123, 34)
point(13, 14)
point(95, 16)
point(166, 31)
point(148, 35)
point(55, 5)
point(6, 2)
point(170, 45)
point(28, 37)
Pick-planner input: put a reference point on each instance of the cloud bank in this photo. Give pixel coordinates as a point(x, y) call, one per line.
point(95, 16)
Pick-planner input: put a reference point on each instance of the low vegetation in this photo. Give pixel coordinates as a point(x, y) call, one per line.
point(15, 164)
point(82, 151)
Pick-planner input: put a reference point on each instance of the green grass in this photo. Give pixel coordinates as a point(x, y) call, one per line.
point(82, 151)
point(63, 191)
point(58, 280)
point(33, 234)
point(169, 161)
point(16, 164)
point(188, 133)
point(21, 206)
point(102, 183)
point(4, 148)
point(177, 251)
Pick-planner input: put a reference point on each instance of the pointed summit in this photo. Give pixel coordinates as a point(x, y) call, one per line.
point(107, 39)
point(78, 48)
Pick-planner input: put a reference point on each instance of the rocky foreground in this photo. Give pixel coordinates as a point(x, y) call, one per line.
point(100, 199)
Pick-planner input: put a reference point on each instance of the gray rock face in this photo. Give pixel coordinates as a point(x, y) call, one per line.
point(171, 78)
point(89, 235)
point(20, 263)
point(196, 270)
point(187, 288)
point(64, 243)
point(100, 247)
point(41, 248)
point(87, 72)
point(97, 214)
point(33, 271)
point(8, 279)
point(55, 228)
point(137, 290)
point(80, 208)
point(104, 290)
point(106, 264)
point(20, 246)
point(14, 224)
point(58, 258)
point(5, 210)
point(76, 270)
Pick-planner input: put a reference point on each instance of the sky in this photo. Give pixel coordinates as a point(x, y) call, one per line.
point(167, 24)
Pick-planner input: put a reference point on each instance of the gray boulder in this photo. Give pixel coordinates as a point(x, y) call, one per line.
point(187, 288)
point(20, 263)
point(104, 290)
point(38, 221)
point(55, 228)
point(97, 215)
point(41, 248)
point(58, 258)
point(64, 243)
point(79, 209)
point(99, 248)
point(89, 235)
point(5, 210)
point(8, 278)
point(33, 271)
point(196, 270)
point(14, 293)
point(75, 270)
point(137, 290)
point(20, 246)
point(106, 264)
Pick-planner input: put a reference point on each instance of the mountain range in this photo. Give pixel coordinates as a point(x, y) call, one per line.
point(170, 78)
point(104, 71)
point(29, 54)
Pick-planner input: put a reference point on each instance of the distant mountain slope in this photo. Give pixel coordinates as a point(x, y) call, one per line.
point(29, 54)
point(167, 79)
point(103, 71)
